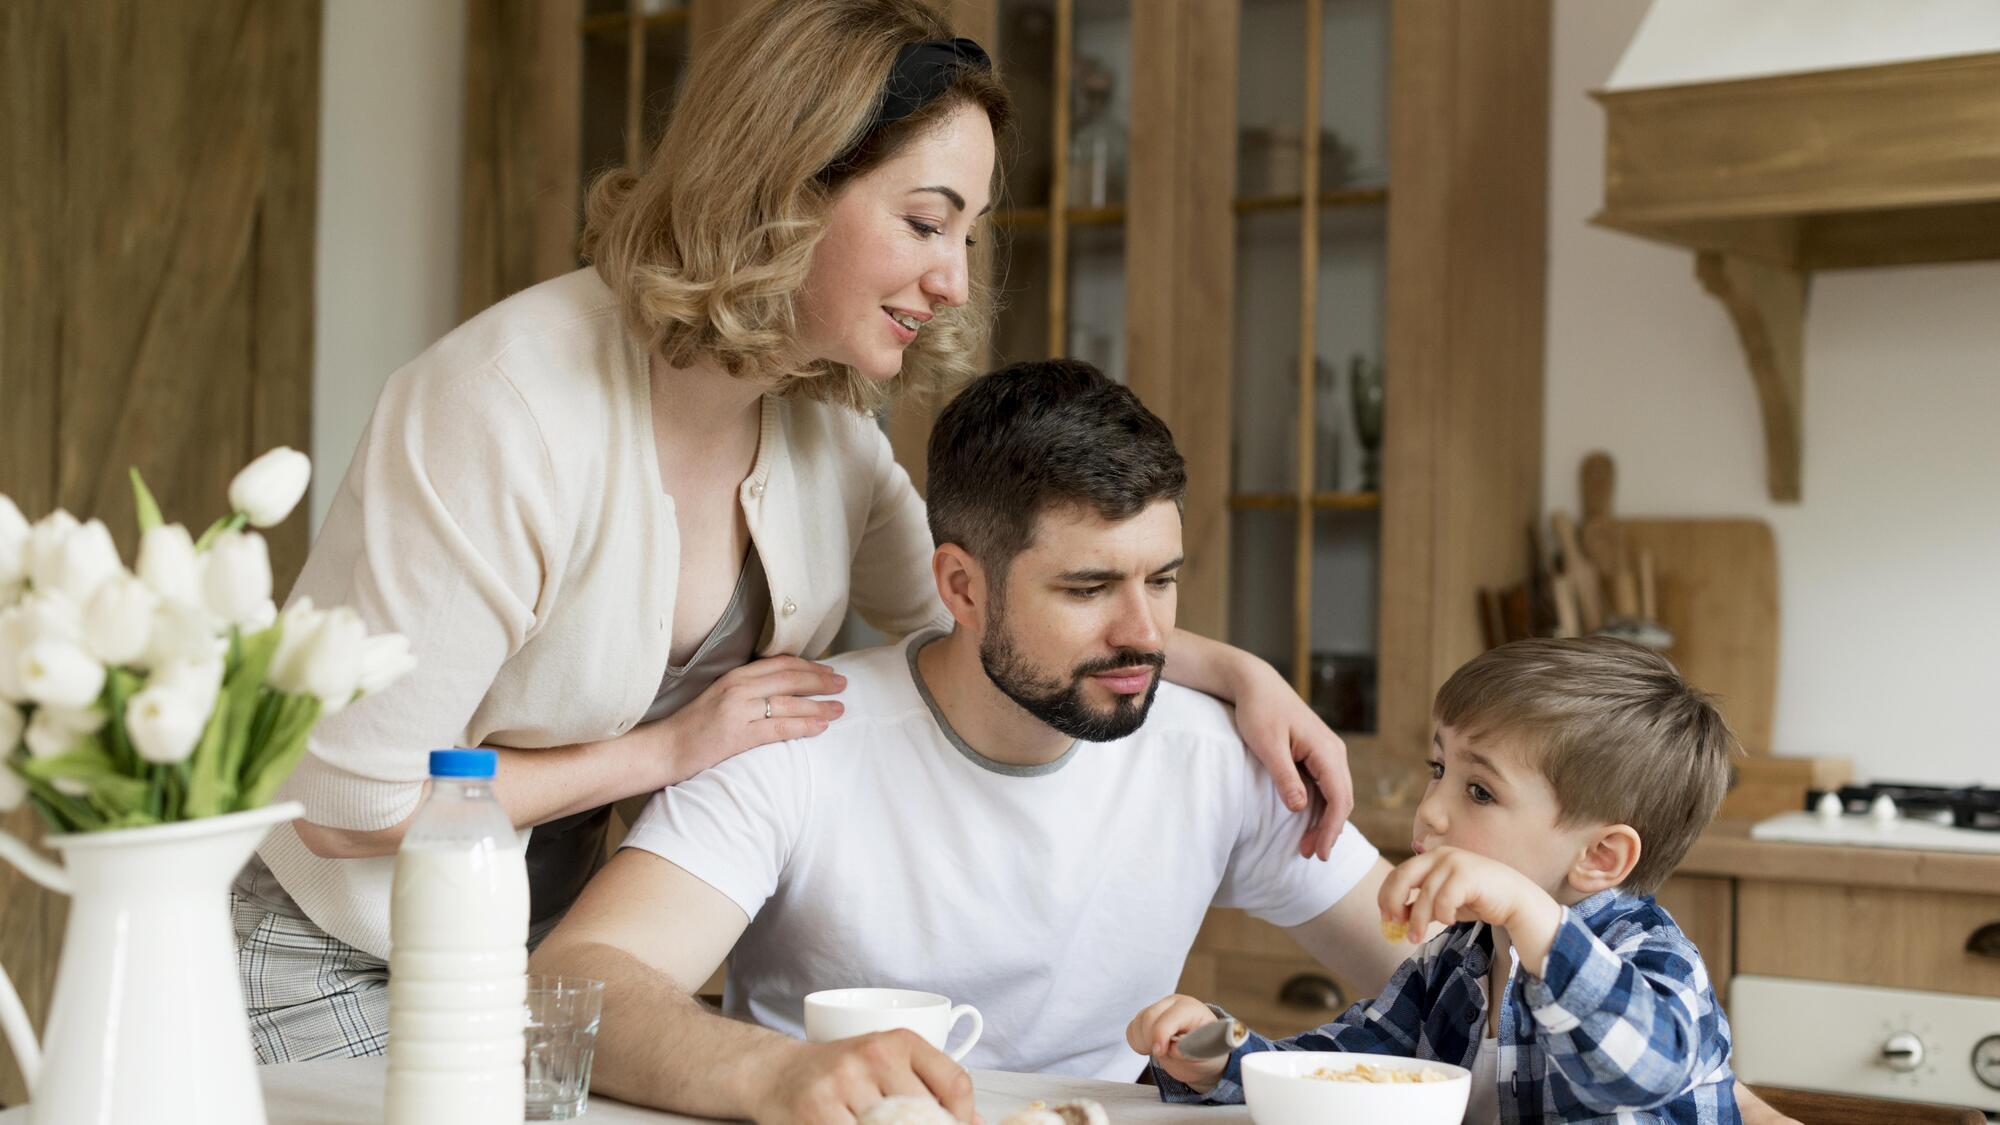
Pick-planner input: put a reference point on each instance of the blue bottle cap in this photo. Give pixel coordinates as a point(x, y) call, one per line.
point(464, 763)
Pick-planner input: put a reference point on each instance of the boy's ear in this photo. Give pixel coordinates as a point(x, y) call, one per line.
point(961, 582)
point(1607, 859)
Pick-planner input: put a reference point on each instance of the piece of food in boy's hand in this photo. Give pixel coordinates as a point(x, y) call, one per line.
point(1393, 930)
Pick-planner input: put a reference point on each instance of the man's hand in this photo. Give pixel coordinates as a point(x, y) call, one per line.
point(1157, 1032)
point(834, 1083)
point(1306, 760)
point(1448, 885)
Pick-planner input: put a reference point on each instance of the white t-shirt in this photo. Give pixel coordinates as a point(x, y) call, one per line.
point(1058, 899)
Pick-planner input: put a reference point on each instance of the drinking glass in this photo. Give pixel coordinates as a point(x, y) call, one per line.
point(562, 1015)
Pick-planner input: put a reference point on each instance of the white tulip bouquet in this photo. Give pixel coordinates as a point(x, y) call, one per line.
point(176, 692)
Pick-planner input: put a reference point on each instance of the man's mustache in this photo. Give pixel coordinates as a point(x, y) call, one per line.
point(1118, 661)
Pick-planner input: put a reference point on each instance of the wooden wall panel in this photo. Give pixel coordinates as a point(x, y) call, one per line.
point(523, 104)
point(1468, 167)
point(156, 288)
point(31, 270)
point(1706, 911)
point(1180, 266)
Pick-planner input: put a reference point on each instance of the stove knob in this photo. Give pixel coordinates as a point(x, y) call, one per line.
point(1986, 1061)
point(1882, 810)
point(1903, 1052)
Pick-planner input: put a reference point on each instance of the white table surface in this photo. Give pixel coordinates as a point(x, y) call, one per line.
point(349, 1092)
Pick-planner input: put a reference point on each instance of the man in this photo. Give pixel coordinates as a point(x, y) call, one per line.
point(1017, 814)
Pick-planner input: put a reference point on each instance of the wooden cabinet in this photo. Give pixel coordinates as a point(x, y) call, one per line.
point(1705, 907)
point(1883, 936)
point(1255, 971)
point(1194, 269)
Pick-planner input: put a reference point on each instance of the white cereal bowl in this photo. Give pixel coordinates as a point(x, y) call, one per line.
point(1278, 1086)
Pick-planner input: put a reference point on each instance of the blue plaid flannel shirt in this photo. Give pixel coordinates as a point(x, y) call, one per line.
point(1623, 1026)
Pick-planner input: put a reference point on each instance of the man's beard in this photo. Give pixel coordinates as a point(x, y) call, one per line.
point(1061, 706)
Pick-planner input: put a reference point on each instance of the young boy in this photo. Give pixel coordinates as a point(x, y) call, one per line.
point(1568, 778)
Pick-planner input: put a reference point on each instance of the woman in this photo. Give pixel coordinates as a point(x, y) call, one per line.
point(664, 462)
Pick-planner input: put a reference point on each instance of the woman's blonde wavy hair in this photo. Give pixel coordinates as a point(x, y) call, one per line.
point(709, 244)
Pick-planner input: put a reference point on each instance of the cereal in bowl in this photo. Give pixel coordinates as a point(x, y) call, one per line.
point(1366, 1072)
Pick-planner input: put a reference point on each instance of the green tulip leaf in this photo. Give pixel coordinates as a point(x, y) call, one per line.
point(143, 502)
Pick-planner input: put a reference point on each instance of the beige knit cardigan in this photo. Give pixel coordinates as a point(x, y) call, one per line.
point(504, 512)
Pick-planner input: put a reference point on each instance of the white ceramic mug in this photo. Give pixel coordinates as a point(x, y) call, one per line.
point(842, 1013)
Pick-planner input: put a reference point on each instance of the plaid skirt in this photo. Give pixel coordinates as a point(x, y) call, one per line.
point(309, 995)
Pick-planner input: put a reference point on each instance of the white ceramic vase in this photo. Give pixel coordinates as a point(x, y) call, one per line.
point(147, 1023)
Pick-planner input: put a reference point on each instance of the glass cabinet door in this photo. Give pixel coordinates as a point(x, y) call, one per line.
point(1311, 205)
point(1059, 272)
point(634, 55)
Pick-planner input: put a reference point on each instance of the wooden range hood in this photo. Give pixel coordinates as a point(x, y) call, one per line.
point(1769, 179)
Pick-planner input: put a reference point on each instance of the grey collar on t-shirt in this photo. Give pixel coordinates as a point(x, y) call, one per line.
point(915, 646)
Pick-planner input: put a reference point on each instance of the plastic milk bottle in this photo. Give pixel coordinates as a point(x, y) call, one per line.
point(458, 935)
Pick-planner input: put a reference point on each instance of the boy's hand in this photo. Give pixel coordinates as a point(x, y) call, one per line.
point(1451, 886)
point(1156, 1030)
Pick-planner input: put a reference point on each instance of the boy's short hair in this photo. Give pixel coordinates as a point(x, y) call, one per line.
point(1620, 735)
point(1040, 435)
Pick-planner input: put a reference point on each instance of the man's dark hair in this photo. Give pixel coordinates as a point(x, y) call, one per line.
point(1040, 435)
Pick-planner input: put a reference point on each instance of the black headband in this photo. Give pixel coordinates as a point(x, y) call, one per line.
point(921, 72)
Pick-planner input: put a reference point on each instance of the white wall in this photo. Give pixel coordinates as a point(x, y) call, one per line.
point(1890, 568)
point(392, 84)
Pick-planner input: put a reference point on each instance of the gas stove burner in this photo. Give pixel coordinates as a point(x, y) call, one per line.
point(1967, 807)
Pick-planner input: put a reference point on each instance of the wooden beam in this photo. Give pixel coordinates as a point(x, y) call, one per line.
point(1767, 304)
point(1065, 29)
point(1468, 223)
point(521, 183)
point(1865, 138)
point(1968, 232)
point(1772, 239)
point(1180, 264)
point(35, 271)
point(157, 212)
point(1306, 420)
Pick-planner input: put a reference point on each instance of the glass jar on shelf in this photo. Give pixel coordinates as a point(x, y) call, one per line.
point(1097, 141)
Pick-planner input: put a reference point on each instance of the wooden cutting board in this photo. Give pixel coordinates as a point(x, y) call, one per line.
point(1718, 593)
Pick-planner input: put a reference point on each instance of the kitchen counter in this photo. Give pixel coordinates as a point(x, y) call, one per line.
point(349, 1092)
point(1726, 850)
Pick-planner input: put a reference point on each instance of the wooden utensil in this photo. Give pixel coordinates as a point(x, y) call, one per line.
point(1582, 576)
point(1649, 591)
point(1569, 620)
point(1625, 589)
point(1599, 534)
point(1718, 594)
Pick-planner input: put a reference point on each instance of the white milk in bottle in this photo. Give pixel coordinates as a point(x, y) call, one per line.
point(458, 935)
